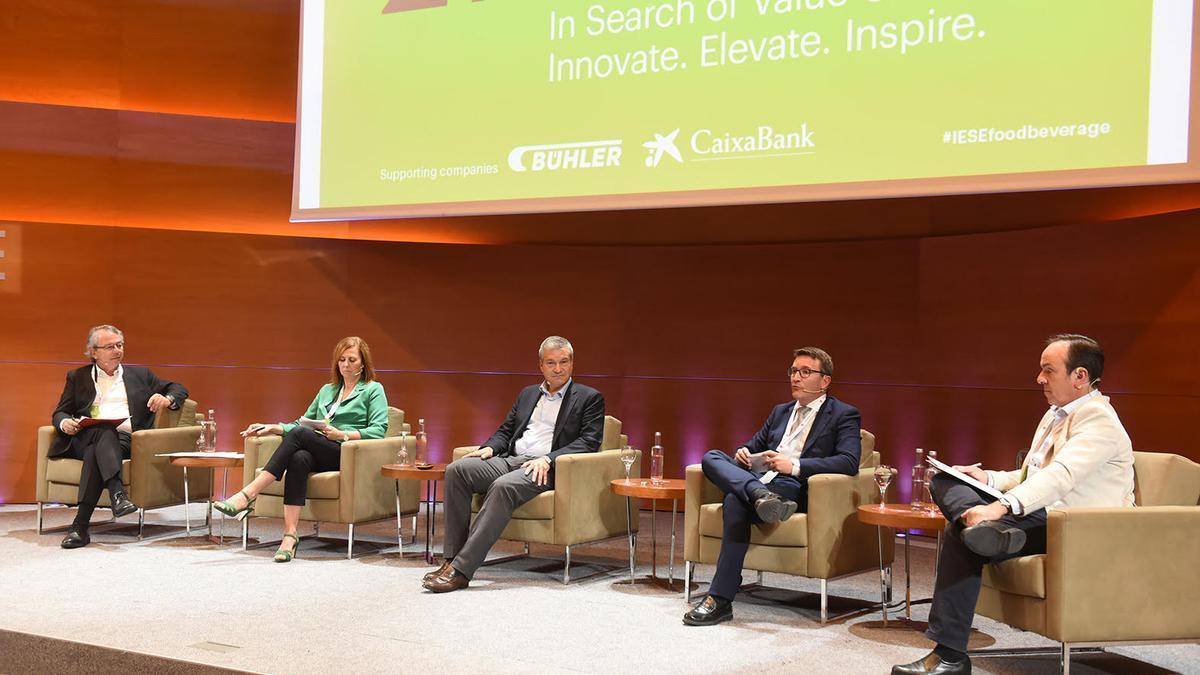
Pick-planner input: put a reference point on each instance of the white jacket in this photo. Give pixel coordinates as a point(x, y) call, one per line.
point(1089, 464)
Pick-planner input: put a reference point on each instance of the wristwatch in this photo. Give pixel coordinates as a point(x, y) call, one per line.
point(345, 436)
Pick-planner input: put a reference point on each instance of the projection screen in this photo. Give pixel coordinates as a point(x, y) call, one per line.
point(455, 107)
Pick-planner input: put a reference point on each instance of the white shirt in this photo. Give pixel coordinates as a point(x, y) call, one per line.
point(792, 443)
point(539, 433)
point(111, 396)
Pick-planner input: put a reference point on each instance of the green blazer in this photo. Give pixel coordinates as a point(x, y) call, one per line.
point(366, 411)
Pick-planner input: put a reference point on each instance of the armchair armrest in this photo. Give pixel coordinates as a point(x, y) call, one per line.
point(585, 508)
point(45, 436)
point(365, 493)
point(698, 491)
point(152, 480)
point(838, 542)
point(1145, 587)
point(257, 451)
point(461, 451)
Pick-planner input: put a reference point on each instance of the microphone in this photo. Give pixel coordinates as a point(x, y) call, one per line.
point(813, 391)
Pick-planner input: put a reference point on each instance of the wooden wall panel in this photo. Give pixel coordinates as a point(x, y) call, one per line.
point(936, 340)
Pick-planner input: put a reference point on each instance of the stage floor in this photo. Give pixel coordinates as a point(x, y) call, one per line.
point(178, 604)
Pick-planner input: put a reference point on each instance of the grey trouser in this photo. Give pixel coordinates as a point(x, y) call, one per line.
point(506, 487)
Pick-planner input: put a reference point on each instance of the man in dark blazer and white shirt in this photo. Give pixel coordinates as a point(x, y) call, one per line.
point(106, 389)
point(766, 479)
point(558, 417)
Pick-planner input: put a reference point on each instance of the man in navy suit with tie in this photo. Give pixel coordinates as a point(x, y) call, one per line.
point(766, 479)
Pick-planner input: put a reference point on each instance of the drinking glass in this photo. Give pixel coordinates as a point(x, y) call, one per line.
point(403, 457)
point(628, 457)
point(883, 478)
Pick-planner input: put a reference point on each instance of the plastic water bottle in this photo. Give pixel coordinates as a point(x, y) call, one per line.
point(422, 454)
point(210, 431)
point(918, 482)
point(656, 460)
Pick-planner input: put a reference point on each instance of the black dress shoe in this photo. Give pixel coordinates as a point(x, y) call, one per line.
point(933, 664)
point(711, 610)
point(447, 582)
point(76, 538)
point(992, 538)
point(772, 508)
point(121, 506)
point(441, 571)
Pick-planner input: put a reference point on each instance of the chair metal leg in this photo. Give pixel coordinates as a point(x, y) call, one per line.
point(1064, 660)
point(187, 517)
point(526, 548)
point(414, 525)
point(760, 578)
point(245, 531)
point(566, 567)
point(399, 522)
point(824, 601)
point(687, 581)
point(350, 542)
point(141, 522)
point(316, 529)
point(629, 533)
point(39, 518)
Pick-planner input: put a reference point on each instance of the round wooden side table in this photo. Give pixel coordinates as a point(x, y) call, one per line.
point(644, 488)
point(901, 517)
point(193, 460)
point(431, 475)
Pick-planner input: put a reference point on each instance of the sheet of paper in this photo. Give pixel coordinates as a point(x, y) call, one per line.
point(947, 469)
point(758, 463)
point(315, 425)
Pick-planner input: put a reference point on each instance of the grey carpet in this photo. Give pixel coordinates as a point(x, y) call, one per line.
point(190, 600)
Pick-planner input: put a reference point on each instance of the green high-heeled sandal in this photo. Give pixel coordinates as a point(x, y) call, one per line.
point(225, 507)
point(284, 555)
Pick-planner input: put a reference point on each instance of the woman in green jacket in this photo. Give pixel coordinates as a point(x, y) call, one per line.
point(352, 406)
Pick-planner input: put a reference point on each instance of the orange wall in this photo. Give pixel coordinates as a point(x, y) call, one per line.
point(936, 340)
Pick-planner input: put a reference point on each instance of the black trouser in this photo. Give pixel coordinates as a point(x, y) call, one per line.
point(303, 451)
point(959, 569)
point(739, 485)
point(102, 449)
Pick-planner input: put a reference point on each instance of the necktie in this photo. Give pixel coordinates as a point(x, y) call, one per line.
point(792, 435)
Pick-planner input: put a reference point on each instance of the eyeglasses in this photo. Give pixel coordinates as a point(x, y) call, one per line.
point(109, 348)
point(804, 373)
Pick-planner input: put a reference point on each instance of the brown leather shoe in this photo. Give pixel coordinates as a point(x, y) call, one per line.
point(441, 571)
point(446, 583)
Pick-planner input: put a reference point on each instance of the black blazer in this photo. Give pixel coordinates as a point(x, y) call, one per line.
point(80, 391)
point(578, 428)
point(833, 444)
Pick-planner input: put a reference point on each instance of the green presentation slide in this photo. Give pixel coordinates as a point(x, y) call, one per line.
point(459, 101)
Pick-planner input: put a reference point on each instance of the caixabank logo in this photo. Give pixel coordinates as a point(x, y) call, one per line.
point(706, 144)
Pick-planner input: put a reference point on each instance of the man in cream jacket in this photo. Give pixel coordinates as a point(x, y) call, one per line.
point(1080, 456)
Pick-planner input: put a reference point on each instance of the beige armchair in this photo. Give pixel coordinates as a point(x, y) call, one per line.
point(825, 543)
point(356, 493)
point(581, 508)
point(1110, 575)
point(151, 481)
